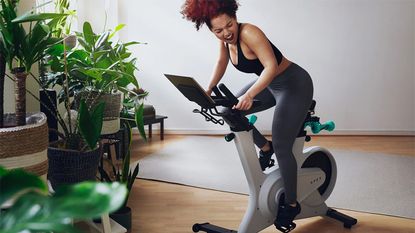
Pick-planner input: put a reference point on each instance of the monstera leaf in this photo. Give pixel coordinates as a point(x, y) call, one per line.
point(34, 210)
point(9, 186)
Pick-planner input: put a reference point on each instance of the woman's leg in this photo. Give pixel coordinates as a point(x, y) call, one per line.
point(293, 92)
point(267, 101)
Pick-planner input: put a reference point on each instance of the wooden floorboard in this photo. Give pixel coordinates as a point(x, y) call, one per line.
point(163, 207)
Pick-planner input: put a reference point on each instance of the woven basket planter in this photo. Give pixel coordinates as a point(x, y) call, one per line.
point(71, 166)
point(112, 110)
point(25, 146)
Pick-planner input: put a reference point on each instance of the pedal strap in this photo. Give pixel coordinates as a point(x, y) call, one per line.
point(286, 227)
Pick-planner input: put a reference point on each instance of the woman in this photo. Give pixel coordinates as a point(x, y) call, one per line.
point(281, 83)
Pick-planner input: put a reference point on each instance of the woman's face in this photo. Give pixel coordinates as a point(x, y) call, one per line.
point(225, 28)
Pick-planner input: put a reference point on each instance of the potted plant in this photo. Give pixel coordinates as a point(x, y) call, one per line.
point(20, 48)
point(28, 207)
point(75, 157)
point(99, 69)
point(124, 174)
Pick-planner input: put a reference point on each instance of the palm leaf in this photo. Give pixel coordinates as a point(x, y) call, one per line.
point(30, 17)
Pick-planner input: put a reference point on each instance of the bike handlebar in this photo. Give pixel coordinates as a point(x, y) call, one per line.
point(231, 97)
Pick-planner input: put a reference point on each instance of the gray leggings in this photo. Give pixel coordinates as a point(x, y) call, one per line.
point(291, 92)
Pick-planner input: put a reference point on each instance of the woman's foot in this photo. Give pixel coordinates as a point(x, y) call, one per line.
point(265, 156)
point(286, 215)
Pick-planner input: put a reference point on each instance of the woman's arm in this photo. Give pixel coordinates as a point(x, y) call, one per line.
point(220, 67)
point(258, 43)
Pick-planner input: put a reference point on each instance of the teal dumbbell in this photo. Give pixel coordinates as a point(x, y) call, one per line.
point(316, 127)
point(329, 126)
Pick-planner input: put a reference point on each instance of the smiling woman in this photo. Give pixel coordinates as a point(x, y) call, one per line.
point(281, 83)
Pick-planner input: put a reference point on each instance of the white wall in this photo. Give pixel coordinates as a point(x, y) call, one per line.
point(360, 53)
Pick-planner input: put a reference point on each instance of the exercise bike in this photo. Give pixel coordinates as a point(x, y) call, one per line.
point(316, 166)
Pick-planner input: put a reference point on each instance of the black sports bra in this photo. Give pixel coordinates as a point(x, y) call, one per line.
point(251, 65)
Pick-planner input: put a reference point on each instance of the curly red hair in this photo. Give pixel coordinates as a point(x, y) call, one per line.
point(202, 11)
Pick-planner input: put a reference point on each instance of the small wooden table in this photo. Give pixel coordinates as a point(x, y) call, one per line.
point(155, 120)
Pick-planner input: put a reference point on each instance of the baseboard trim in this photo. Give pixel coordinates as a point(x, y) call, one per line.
point(268, 132)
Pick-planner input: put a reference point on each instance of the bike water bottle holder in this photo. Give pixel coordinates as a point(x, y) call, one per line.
point(210, 115)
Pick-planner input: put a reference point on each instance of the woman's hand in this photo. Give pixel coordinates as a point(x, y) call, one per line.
point(245, 102)
point(208, 92)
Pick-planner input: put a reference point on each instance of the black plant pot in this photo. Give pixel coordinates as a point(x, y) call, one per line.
point(70, 166)
point(123, 217)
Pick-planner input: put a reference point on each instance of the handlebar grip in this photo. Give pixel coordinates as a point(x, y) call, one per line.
point(228, 94)
point(216, 91)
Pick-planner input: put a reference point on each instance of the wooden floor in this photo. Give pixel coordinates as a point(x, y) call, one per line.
point(162, 207)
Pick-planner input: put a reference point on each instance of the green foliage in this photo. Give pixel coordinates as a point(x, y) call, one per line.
point(9, 187)
point(17, 44)
point(62, 26)
point(22, 48)
point(139, 120)
point(34, 210)
point(90, 123)
point(98, 64)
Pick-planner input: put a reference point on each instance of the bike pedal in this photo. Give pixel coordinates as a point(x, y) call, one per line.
point(266, 162)
point(271, 163)
point(285, 228)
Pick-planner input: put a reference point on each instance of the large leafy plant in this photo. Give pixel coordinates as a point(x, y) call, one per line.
point(21, 48)
point(97, 64)
point(34, 210)
point(81, 127)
